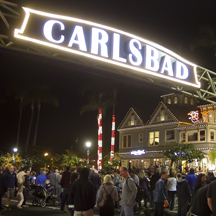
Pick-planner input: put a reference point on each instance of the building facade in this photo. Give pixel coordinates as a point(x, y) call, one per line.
point(175, 120)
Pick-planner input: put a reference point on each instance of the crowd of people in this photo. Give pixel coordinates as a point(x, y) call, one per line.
point(82, 189)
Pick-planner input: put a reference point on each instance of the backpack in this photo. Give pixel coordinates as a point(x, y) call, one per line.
point(109, 201)
point(140, 191)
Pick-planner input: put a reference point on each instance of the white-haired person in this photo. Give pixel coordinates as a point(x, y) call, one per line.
point(108, 196)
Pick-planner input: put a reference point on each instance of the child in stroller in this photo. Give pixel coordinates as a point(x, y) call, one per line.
point(43, 196)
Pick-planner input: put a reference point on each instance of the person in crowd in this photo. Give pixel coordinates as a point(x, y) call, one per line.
point(129, 192)
point(199, 204)
point(21, 173)
point(12, 185)
point(116, 180)
point(65, 182)
point(74, 177)
point(52, 178)
point(209, 177)
point(20, 196)
point(171, 187)
point(82, 194)
point(6, 170)
point(134, 176)
point(144, 185)
point(183, 194)
point(211, 197)
point(3, 188)
point(160, 195)
point(200, 182)
point(191, 178)
point(151, 168)
point(40, 180)
point(26, 187)
point(107, 189)
point(57, 185)
point(95, 179)
point(153, 181)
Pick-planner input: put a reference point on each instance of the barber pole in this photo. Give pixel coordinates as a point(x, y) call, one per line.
point(112, 138)
point(99, 162)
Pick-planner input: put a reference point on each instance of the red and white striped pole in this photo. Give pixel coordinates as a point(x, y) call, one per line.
point(112, 138)
point(99, 162)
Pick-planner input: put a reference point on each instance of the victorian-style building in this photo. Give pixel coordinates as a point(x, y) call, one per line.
point(176, 119)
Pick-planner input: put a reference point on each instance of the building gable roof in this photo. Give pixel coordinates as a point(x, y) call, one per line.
point(124, 123)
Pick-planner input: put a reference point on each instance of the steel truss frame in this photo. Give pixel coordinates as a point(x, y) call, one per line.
point(9, 12)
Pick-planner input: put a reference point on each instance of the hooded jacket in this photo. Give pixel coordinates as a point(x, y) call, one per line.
point(183, 190)
point(82, 192)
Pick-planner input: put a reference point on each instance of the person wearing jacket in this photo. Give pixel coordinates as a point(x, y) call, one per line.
point(3, 188)
point(191, 179)
point(95, 179)
point(26, 187)
point(171, 187)
point(160, 194)
point(57, 185)
point(12, 184)
point(107, 188)
point(52, 178)
point(144, 185)
point(82, 194)
point(183, 194)
point(65, 183)
point(129, 191)
point(40, 180)
point(153, 181)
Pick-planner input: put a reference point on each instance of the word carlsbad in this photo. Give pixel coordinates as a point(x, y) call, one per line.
point(106, 44)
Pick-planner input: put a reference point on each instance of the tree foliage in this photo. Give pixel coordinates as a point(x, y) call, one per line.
point(182, 152)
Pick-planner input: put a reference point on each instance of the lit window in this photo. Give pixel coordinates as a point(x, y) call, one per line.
point(202, 135)
point(140, 137)
point(212, 134)
point(154, 138)
point(192, 136)
point(132, 119)
point(169, 101)
point(211, 116)
point(182, 137)
point(186, 100)
point(127, 141)
point(170, 135)
point(175, 100)
point(192, 101)
point(162, 115)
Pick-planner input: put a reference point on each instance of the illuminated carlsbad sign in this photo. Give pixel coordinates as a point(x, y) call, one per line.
point(106, 44)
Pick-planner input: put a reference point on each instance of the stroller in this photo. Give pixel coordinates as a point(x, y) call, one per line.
point(42, 196)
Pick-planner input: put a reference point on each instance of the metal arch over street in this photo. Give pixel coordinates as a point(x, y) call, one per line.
point(206, 92)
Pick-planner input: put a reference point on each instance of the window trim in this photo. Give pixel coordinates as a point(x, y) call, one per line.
point(154, 138)
point(199, 135)
point(127, 141)
point(197, 141)
point(211, 130)
point(166, 135)
point(185, 136)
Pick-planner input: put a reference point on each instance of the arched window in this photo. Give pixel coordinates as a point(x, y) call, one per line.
point(169, 101)
point(186, 100)
point(192, 101)
point(175, 100)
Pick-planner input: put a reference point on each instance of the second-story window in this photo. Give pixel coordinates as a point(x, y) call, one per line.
point(170, 135)
point(154, 138)
point(186, 100)
point(182, 137)
point(127, 141)
point(192, 101)
point(175, 100)
point(212, 135)
point(169, 100)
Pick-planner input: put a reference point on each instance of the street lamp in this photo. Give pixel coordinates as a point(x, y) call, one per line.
point(88, 145)
point(45, 154)
point(15, 151)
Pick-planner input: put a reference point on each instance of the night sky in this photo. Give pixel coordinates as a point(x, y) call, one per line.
point(172, 24)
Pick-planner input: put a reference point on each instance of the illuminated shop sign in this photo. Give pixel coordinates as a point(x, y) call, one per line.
point(106, 44)
point(138, 152)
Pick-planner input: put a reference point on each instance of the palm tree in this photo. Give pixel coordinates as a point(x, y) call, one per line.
point(206, 39)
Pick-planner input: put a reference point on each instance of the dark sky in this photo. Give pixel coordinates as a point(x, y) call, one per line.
point(172, 24)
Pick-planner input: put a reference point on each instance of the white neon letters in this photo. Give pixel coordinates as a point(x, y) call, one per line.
point(47, 30)
point(106, 45)
point(152, 56)
point(79, 33)
point(99, 36)
point(116, 48)
point(135, 52)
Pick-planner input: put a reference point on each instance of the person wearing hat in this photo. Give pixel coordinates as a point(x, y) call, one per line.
point(183, 194)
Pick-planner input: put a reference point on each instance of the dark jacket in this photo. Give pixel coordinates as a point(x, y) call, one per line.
point(65, 181)
point(94, 177)
point(183, 190)
point(26, 182)
point(52, 178)
point(11, 180)
point(3, 187)
point(199, 203)
point(153, 180)
point(144, 185)
point(160, 192)
point(81, 193)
